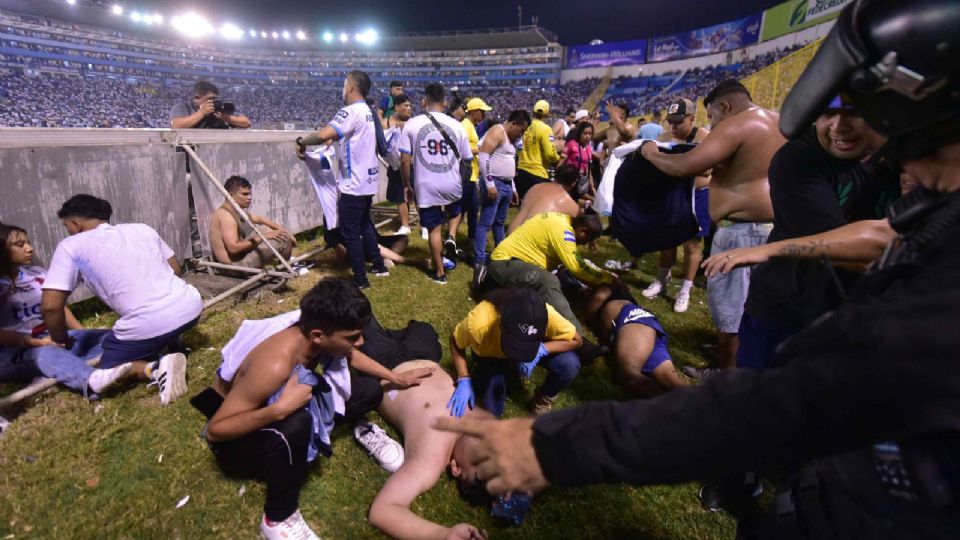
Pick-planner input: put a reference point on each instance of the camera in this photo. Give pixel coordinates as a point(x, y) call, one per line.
point(223, 107)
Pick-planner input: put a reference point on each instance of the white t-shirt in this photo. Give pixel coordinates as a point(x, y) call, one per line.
point(254, 332)
point(126, 266)
point(393, 144)
point(435, 166)
point(20, 311)
point(359, 166)
point(324, 183)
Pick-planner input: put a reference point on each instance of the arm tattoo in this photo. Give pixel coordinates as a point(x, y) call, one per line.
point(806, 249)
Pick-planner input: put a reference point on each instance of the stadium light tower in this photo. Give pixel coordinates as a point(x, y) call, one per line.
point(286, 34)
point(135, 16)
point(344, 37)
point(328, 37)
point(72, 2)
point(301, 35)
point(117, 9)
point(275, 35)
point(367, 37)
point(253, 33)
point(192, 25)
point(157, 18)
point(231, 31)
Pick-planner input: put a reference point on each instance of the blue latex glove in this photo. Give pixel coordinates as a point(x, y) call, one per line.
point(462, 397)
point(526, 368)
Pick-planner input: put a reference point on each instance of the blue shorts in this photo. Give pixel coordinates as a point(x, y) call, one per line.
point(433, 216)
point(701, 207)
point(117, 352)
point(634, 314)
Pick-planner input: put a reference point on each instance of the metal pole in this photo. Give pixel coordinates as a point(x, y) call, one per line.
point(216, 182)
point(244, 269)
point(233, 290)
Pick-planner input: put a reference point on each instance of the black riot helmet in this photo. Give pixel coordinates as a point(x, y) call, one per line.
point(898, 62)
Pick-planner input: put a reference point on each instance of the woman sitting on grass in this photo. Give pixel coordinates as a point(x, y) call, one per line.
point(26, 351)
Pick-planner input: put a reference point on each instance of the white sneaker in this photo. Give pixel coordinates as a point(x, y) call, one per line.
point(389, 264)
point(423, 233)
point(293, 528)
point(171, 377)
point(387, 452)
point(653, 290)
point(403, 230)
point(101, 379)
point(682, 302)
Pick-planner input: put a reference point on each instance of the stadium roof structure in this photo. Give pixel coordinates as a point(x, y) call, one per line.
point(493, 38)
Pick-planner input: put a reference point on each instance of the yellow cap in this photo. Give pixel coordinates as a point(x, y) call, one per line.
point(541, 106)
point(477, 104)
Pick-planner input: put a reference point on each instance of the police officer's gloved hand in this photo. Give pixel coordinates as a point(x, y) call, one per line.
point(462, 397)
point(526, 368)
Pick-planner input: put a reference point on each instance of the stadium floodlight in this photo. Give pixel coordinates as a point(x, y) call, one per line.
point(286, 34)
point(253, 33)
point(230, 31)
point(367, 37)
point(135, 16)
point(344, 37)
point(301, 35)
point(263, 33)
point(328, 37)
point(192, 25)
point(117, 9)
point(275, 35)
point(72, 2)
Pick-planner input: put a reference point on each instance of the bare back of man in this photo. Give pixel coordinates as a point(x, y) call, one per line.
point(744, 139)
point(544, 197)
point(427, 453)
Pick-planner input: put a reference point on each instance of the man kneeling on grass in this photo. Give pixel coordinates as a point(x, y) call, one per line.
point(271, 414)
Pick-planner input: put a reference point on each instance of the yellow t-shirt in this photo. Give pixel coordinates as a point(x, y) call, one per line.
point(474, 147)
point(538, 151)
point(480, 330)
point(547, 240)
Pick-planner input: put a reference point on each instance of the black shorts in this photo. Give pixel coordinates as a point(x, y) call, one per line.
point(390, 348)
point(394, 186)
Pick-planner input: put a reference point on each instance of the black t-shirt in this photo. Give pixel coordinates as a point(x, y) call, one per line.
point(812, 192)
point(186, 108)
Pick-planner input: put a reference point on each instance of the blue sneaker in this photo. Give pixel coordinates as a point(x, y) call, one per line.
point(448, 264)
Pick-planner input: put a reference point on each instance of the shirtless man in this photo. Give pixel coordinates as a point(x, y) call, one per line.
point(550, 197)
point(231, 239)
point(427, 453)
point(643, 367)
point(562, 127)
point(744, 139)
point(681, 116)
point(620, 130)
point(270, 414)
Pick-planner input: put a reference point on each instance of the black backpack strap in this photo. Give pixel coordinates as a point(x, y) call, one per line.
point(444, 135)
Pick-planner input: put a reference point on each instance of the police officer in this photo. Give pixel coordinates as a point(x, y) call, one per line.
point(866, 409)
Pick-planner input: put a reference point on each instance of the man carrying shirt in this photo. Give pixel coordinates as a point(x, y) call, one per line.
point(354, 127)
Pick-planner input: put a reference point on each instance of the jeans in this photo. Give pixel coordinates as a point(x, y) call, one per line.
point(492, 214)
point(490, 378)
point(359, 235)
point(468, 204)
point(515, 273)
point(68, 367)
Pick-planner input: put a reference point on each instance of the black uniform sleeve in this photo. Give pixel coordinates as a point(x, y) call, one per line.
point(802, 190)
point(879, 383)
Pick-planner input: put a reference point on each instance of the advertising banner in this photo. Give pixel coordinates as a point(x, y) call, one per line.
point(712, 39)
point(799, 14)
point(620, 53)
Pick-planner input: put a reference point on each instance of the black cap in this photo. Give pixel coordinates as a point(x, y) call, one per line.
point(522, 325)
point(679, 109)
point(896, 62)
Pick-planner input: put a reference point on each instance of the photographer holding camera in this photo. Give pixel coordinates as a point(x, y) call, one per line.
point(206, 111)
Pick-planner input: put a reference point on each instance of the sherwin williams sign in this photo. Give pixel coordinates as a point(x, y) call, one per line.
point(799, 14)
point(619, 53)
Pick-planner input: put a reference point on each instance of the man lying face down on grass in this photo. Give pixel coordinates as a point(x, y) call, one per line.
point(271, 413)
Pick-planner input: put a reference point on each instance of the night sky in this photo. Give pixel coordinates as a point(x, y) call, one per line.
point(573, 21)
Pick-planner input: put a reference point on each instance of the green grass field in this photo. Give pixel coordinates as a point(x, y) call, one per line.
point(118, 467)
